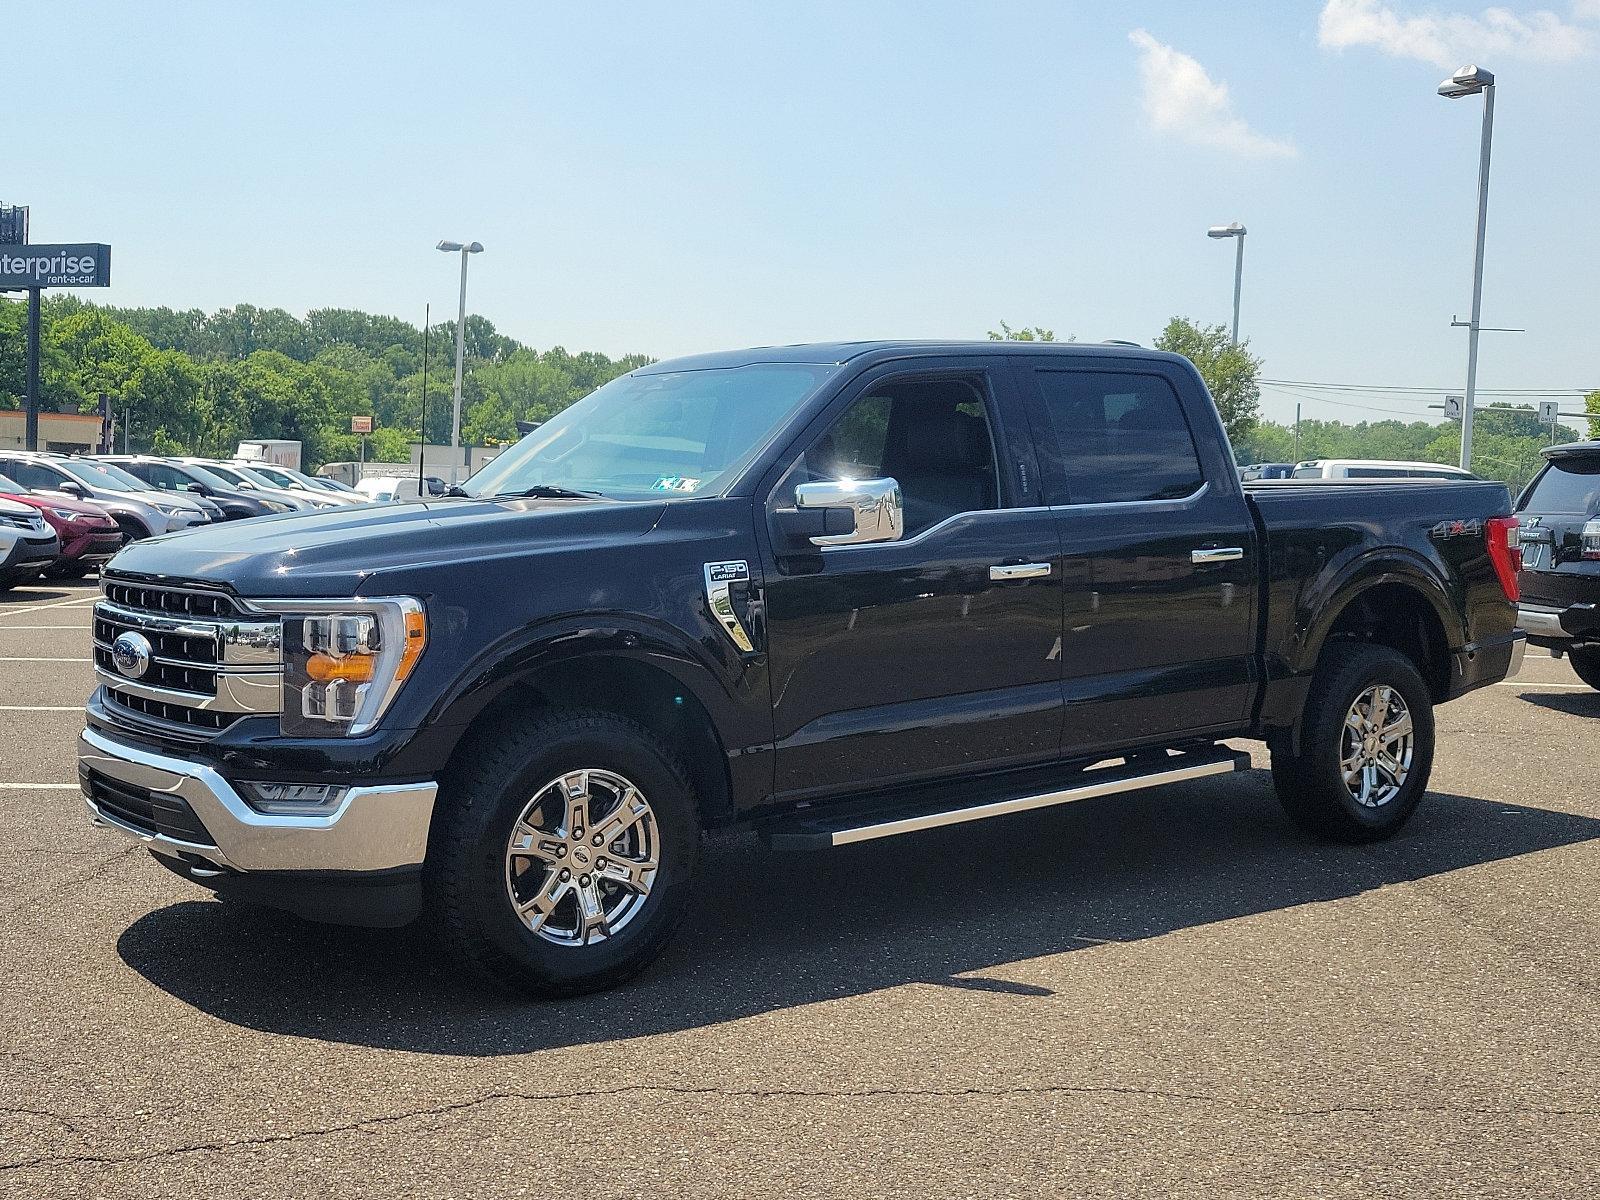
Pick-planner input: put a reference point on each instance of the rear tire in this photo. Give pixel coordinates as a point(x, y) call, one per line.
point(1347, 783)
point(520, 787)
point(1586, 662)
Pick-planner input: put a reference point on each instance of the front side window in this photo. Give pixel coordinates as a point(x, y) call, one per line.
point(932, 436)
point(660, 435)
point(160, 476)
point(1120, 437)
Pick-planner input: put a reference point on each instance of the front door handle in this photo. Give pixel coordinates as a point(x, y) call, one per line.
point(1216, 554)
point(1004, 571)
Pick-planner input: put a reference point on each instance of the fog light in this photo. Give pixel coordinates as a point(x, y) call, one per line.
point(292, 798)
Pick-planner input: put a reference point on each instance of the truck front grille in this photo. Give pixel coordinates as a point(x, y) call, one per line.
point(210, 663)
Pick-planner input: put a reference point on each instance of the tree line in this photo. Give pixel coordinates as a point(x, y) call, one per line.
point(196, 382)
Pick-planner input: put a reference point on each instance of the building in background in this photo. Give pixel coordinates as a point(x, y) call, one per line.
point(67, 433)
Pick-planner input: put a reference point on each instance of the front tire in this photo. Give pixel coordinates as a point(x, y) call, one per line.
point(1366, 746)
point(1586, 662)
point(562, 858)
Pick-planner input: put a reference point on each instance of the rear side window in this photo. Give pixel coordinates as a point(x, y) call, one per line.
point(1568, 485)
point(1119, 437)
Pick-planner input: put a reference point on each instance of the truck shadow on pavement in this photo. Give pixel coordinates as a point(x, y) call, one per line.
point(769, 932)
point(1574, 704)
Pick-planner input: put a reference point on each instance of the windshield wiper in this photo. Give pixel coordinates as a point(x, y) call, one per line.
point(548, 491)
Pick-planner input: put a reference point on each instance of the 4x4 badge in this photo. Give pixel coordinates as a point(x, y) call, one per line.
point(720, 578)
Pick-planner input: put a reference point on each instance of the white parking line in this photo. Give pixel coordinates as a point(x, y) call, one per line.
point(77, 708)
point(79, 628)
point(17, 612)
point(71, 660)
point(38, 787)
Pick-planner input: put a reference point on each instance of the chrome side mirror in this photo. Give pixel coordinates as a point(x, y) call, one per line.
point(858, 511)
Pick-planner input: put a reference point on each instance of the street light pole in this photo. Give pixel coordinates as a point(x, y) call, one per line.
point(1469, 81)
point(1237, 232)
point(461, 335)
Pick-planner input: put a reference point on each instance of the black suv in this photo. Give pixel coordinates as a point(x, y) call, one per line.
point(1560, 580)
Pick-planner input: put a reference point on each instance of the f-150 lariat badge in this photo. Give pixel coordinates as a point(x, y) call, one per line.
point(720, 578)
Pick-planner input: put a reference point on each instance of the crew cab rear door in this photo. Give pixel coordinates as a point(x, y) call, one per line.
point(1161, 644)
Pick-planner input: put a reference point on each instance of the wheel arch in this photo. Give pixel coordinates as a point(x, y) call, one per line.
point(642, 674)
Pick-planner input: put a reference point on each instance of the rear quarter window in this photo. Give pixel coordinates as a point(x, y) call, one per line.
point(1570, 485)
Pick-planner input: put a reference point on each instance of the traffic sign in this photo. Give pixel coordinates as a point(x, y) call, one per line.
point(360, 424)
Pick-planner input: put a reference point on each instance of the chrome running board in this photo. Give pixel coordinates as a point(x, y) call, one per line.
point(811, 830)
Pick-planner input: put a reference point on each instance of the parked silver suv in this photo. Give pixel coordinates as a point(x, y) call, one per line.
point(139, 511)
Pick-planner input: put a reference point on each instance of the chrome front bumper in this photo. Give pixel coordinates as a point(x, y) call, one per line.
point(377, 828)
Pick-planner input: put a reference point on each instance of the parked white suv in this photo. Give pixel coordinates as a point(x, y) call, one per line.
point(1375, 468)
point(27, 544)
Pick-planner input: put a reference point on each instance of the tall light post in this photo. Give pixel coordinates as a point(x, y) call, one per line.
point(1235, 230)
point(1469, 81)
point(461, 333)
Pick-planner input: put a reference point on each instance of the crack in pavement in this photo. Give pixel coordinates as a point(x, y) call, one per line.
point(783, 1094)
point(59, 885)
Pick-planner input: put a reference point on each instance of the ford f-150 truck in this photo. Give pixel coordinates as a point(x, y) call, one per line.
point(832, 592)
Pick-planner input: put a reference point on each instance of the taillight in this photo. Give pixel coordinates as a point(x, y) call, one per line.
point(1591, 540)
point(1504, 538)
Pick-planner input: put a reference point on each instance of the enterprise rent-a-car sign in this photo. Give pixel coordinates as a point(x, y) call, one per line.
point(86, 265)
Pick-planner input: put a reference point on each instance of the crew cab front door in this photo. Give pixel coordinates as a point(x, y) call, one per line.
point(938, 652)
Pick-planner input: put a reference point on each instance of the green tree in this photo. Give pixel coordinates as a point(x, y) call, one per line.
point(1231, 372)
point(1037, 333)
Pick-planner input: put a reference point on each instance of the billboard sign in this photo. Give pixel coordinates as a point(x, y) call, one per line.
point(360, 424)
point(40, 266)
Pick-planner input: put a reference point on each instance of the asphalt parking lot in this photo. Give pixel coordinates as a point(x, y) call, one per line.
point(1170, 993)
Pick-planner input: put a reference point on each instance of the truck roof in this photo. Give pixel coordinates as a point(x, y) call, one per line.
point(835, 353)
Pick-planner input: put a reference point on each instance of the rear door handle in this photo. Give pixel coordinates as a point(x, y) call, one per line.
point(1216, 554)
point(1005, 571)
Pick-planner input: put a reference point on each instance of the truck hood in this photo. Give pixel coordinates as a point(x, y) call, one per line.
point(346, 551)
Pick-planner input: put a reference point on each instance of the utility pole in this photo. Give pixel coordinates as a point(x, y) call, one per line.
point(1470, 81)
point(1296, 424)
point(31, 421)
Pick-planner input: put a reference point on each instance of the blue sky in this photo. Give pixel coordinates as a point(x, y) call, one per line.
point(668, 178)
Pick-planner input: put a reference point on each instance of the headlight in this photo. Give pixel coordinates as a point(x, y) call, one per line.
point(173, 510)
point(66, 514)
point(274, 506)
point(344, 661)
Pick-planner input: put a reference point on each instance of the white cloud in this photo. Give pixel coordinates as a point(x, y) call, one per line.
point(1450, 39)
point(1586, 10)
point(1181, 99)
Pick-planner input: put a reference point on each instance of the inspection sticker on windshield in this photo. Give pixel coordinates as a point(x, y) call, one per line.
point(675, 483)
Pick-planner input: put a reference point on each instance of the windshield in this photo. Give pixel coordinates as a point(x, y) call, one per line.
point(206, 476)
point(654, 436)
point(252, 476)
point(276, 477)
point(103, 475)
point(232, 477)
point(9, 485)
point(1570, 484)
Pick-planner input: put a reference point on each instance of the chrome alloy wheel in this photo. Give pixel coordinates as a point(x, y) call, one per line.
point(582, 857)
point(1375, 751)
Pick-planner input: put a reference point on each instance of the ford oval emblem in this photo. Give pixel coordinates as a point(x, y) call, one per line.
point(131, 653)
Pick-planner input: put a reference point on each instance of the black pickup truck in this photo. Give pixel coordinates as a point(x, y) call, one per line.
point(833, 592)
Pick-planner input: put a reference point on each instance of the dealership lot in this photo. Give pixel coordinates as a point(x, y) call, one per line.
point(1170, 993)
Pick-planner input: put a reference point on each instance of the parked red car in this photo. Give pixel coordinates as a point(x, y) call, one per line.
point(88, 534)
